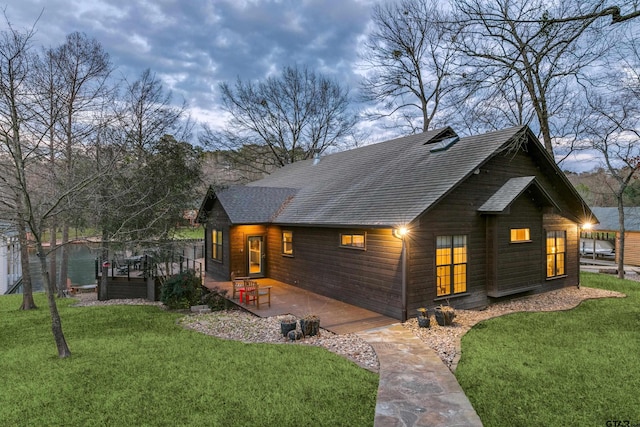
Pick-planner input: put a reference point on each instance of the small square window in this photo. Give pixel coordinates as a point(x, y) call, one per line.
point(520, 235)
point(353, 240)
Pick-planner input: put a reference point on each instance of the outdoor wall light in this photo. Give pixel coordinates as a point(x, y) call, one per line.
point(400, 232)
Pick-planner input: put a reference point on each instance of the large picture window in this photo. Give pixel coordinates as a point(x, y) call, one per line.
point(355, 240)
point(216, 245)
point(287, 243)
point(556, 251)
point(451, 265)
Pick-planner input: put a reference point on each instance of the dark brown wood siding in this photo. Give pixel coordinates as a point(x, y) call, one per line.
point(492, 259)
point(521, 264)
point(510, 164)
point(217, 219)
point(454, 215)
point(369, 278)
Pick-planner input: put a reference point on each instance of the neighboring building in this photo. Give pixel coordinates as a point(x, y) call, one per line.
point(487, 216)
point(608, 232)
point(10, 264)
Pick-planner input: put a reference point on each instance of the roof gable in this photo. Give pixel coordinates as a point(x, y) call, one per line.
point(248, 205)
point(501, 200)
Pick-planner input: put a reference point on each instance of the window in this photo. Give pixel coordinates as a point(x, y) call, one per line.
point(556, 250)
point(287, 243)
point(356, 241)
point(451, 265)
point(520, 235)
point(216, 245)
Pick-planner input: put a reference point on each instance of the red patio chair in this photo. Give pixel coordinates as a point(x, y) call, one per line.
point(238, 285)
point(253, 292)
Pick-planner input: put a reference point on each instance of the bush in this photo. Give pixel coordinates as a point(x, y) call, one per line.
point(181, 290)
point(216, 299)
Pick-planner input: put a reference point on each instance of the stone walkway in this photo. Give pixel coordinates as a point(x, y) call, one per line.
point(416, 388)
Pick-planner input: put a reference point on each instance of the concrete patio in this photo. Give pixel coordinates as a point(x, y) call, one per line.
point(335, 316)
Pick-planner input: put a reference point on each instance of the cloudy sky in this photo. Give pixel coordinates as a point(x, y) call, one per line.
point(193, 45)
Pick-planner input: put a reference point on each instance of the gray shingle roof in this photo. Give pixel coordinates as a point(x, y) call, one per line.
point(509, 192)
point(385, 184)
point(502, 199)
point(608, 218)
point(254, 205)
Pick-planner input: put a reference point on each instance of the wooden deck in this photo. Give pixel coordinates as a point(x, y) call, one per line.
point(335, 316)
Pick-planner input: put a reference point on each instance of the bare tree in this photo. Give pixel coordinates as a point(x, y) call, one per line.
point(615, 133)
point(543, 46)
point(20, 148)
point(613, 129)
point(82, 69)
point(496, 108)
point(14, 151)
point(155, 174)
point(282, 119)
point(47, 83)
point(147, 122)
point(148, 113)
point(407, 58)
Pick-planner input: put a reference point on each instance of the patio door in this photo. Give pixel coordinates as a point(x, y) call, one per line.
point(255, 253)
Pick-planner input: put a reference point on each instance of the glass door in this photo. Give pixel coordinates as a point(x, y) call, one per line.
point(255, 253)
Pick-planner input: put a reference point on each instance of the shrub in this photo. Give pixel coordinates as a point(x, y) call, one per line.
point(216, 299)
point(181, 290)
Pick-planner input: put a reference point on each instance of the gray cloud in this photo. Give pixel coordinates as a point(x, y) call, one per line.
point(194, 45)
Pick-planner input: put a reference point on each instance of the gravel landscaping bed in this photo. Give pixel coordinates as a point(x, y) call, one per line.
point(445, 340)
point(245, 327)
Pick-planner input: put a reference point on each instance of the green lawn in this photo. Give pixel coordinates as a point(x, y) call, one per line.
point(190, 233)
point(134, 366)
point(186, 232)
point(575, 368)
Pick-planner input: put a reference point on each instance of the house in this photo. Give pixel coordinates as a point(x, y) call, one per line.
point(10, 258)
point(608, 232)
point(422, 220)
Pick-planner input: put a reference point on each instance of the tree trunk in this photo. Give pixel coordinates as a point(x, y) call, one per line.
point(53, 268)
point(546, 134)
point(27, 289)
point(102, 295)
point(620, 248)
point(56, 323)
point(64, 261)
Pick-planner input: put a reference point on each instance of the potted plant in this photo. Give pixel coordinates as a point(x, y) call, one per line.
point(310, 325)
point(445, 315)
point(423, 318)
point(287, 323)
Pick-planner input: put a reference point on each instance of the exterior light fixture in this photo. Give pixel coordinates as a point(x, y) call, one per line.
point(400, 232)
point(587, 226)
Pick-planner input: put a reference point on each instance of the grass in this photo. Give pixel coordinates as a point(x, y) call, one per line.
point(133, 365)
point(578, 367)
point(189, 233)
